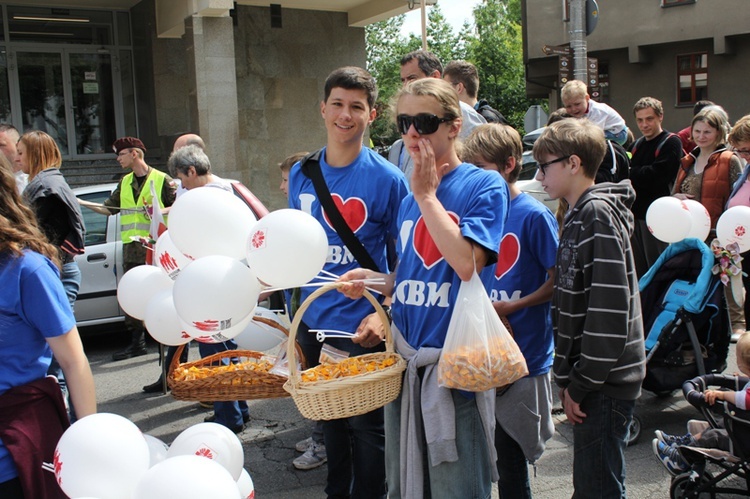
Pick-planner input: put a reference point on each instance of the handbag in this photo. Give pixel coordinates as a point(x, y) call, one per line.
point(479, 353)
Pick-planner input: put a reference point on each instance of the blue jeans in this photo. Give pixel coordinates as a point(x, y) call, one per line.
point(230, 413)
point(512, 467)
point(599, 447)
point(469, 477)
point(70, 275)
point(354, 446)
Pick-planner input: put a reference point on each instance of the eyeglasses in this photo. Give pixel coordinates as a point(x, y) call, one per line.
point(742, 152)
point(424, 124)
point(543, 166)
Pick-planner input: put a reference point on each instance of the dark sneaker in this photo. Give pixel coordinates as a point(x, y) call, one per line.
point(670, 457)
point(155, 387)
point(131, 351)
point(676, 440)
point(211, 418)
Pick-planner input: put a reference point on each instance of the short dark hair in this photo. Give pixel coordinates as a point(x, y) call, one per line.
point(427, 61)
point(466, 73)
point(558, 115)
point(567, 137)
point(698, 106)
point(352, 78)
point(7, 127)
point(290, 161)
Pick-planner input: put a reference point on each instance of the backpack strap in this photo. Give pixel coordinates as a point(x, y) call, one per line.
point(310, 167)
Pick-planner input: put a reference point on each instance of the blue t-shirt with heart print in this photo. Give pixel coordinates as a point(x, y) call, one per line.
point(368, 192)
point(426, 286)
point(527, 250)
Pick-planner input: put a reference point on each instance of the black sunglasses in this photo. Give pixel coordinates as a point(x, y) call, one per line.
point(424, 123)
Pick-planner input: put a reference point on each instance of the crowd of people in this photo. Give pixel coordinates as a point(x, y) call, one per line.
point(444, 206)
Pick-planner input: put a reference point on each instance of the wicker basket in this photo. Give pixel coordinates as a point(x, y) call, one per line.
point(233, 385)
point(352, 395)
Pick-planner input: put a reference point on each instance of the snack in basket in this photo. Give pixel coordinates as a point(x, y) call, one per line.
point(480, 369)
point(347, 367)
point(264, 365)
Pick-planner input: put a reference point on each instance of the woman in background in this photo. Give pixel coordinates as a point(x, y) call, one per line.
point(35, 321)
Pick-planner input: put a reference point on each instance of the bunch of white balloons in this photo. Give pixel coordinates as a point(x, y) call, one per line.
point(106, 456)
point(671, 220)
point(213, 263)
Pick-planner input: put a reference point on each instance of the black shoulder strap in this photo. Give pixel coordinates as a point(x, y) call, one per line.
point(310, 166)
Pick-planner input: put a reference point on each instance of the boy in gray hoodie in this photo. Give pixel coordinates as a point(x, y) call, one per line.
point(596, 312)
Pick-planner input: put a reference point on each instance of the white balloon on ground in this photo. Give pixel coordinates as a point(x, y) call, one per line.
point(162, 321)
point(215, 293)
point(137, 286)
point(701, 220)
point(734, 227)
point(668, 219)
point(259, 336)
point(206, 222)
point(168, 258)
point(212, 441)
point(287, 248)
point(245, 485)
point(157, 450)
point(187, 477)
point(210, 334)
point(102, 455)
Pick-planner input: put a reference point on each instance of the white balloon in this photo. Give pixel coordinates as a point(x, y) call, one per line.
point(213, 441)
point(162, 321)
point(206, 222)
point(259, 336)
point(668, 219)
point(215, 293)
point(245, 485)
point(734, 227)
point(187, 477)
point(215, 335)
point(701, 220)
point(137, 286)
point(287, 248)
point(168, 258)
point(157, 450)
point(102, 455)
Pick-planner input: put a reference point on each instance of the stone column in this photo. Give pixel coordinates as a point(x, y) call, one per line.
point(209, 44)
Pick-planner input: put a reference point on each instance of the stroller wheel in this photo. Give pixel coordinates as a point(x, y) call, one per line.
point(686, 485)
point(634, 432)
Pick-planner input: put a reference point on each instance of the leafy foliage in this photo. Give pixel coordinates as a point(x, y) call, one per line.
point(493, 44)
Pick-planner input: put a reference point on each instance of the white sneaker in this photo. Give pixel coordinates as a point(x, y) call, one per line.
point(314, 456)
point(302, 445)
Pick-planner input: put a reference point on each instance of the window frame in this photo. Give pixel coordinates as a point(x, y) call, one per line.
point(695, 69)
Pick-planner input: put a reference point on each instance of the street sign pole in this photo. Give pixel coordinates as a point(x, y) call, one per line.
point(578, 39)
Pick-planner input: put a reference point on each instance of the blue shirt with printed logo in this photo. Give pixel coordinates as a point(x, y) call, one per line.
point(368, 192)
point(426, 286)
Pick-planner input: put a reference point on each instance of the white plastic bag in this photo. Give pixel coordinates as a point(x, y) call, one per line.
point(479, 353)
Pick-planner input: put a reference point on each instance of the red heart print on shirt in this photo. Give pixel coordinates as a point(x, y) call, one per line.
point(354, 211)
point(510, 251)
point(424, 245)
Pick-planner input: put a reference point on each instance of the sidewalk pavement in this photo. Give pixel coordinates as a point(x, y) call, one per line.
point(275, 426)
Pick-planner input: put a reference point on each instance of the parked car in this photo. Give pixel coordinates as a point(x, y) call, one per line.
point(101, 264)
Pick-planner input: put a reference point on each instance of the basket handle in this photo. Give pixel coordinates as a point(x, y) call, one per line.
point(318, 292)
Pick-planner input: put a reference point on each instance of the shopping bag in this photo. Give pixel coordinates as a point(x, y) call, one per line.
point(479, 353)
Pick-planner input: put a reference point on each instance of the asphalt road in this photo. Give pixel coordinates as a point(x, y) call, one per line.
point(276, 425)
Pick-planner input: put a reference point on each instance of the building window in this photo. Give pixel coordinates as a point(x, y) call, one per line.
point(692, 78)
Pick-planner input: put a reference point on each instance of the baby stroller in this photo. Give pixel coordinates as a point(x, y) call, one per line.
point(698, 481)
point(685, 320)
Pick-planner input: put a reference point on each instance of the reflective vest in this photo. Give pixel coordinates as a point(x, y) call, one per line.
point(137, 223)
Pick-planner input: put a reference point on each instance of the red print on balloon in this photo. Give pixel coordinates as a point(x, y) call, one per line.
point(739, 230)
point(258, 239)
point(58, 466)
point(425, 246)
point(205, 452)
point(510, 251)
point(354, 211)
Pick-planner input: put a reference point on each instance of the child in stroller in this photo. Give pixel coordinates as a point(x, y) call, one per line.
point(725, 443)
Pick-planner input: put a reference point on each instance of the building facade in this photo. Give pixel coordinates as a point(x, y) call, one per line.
point(678, 51)
point(247, 76)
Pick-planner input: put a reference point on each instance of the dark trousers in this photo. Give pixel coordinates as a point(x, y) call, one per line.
point(355, 446)
point(599, 447)
point(11, 489)
point(512, 467)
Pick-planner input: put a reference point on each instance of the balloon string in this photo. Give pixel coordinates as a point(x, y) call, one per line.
point(48, 467)
point(319, 284)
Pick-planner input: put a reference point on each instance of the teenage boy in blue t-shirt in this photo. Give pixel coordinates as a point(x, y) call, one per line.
point(367, 190)
point(520, 287)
